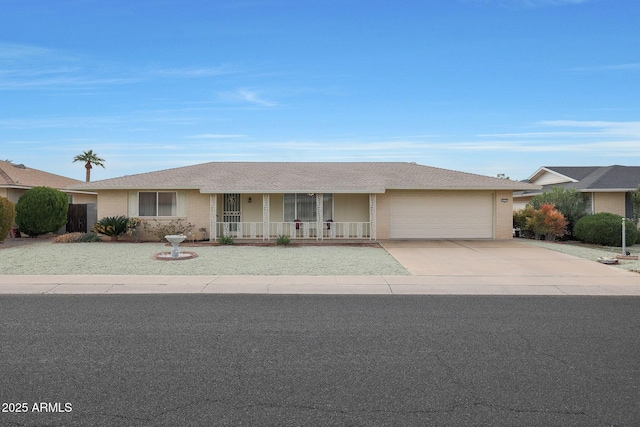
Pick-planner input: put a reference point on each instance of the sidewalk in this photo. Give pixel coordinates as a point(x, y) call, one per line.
point(619, 283)
point(483, 267)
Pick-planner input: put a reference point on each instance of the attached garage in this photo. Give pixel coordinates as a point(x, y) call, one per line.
point(442, 215)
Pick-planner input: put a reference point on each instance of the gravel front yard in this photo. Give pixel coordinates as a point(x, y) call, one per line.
point(590, 252)
point(137, 259)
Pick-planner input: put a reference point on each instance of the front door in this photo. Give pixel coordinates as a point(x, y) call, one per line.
point(231, 214)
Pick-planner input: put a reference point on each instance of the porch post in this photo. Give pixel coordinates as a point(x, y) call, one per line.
point(372, 217)
point(266, 233)
point(213, 214)
point(319, 216)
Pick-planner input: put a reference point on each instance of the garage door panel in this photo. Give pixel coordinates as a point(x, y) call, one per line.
point(442, 215)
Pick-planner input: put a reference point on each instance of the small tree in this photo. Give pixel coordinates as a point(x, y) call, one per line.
point(7, 215)
point(548, 221)
point(569, 201)
point(521, 220)
point(41, 210)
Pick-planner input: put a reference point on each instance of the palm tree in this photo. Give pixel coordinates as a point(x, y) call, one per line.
point(89, 158)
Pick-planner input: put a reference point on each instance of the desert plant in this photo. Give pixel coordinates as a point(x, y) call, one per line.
point(134, 225)
point(112, 226)
point(77, 238)
point(41, 210)
point(7, 215)
point(605, 228)
point(547, 221)
point(569, 201)
point(283, 240)
point(520, 220)
point(226, 240)
point(160, 229)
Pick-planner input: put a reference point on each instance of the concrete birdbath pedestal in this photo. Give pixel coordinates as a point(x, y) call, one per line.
point(175, 240)
point(175, 254)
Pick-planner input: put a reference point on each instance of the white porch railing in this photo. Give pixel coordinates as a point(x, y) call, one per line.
point(294, 230)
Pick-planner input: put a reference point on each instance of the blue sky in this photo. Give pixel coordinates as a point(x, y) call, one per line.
point(482, 86)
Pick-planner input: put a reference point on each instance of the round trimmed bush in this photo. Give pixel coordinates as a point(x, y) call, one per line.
point(7, 215)
point(41, 210)
point(605, 229)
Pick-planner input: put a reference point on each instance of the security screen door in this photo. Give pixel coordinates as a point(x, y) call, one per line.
point(231, 211)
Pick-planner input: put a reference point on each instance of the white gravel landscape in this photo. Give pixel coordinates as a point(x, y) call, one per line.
point(44, 258)
point(589, 252)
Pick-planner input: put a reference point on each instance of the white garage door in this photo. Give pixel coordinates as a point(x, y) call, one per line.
point(442, 215)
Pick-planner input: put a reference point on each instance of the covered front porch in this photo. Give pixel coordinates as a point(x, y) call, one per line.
point(315, 216)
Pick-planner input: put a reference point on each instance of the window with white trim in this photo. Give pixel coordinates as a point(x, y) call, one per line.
point(302, 206)
point(157, 203)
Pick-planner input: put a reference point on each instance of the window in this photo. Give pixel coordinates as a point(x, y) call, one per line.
point(157, 203)
point(303, 207)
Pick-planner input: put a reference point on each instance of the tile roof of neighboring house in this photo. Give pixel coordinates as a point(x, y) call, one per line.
point(302, 177)
point(599, 178)
point(19, 176)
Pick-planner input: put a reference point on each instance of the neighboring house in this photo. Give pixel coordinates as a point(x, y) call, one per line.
point(606, 187)
point(317, 200)
point(17, 179)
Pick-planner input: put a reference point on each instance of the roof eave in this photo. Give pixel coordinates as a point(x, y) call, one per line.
point(546, 169)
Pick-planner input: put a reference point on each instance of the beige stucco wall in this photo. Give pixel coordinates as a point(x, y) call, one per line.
point(276, 207)
point(503, 214)
point(350, 208)
point(251, 212)
point(609, 202)
point(347, 208)
point(80, 198)
point(112, 203)
point(521, 202)
point(383, 215)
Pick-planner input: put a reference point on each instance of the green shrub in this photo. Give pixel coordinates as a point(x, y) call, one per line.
point(226, 240)
point(112, 226)
point(77, 238)
point(88, 238)
point(547, 221)
point(283, 240)
point(570, 202)
point(605, 229)
point(41, 210)
point(521, 221)
point(7, 215)
point(160, 229)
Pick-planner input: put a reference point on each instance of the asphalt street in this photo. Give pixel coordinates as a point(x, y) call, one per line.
point(261, 360)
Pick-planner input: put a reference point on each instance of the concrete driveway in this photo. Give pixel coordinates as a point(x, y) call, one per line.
point(500, 259)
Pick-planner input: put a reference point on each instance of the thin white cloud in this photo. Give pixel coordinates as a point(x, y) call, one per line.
point(254, 98)
point(215, 136)
point(621, 129)
point(224, 69)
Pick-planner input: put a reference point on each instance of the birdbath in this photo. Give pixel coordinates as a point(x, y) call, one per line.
point(175, 240)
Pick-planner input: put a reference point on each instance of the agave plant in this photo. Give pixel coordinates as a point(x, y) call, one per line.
point(112, 226)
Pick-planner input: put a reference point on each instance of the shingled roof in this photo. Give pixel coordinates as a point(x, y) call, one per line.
point(19, 176)
point(597, 178)
point(303, 177)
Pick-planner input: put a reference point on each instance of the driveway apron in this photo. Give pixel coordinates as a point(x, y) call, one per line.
point(495, 258)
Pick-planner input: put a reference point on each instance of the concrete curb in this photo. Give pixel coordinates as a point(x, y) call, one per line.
point(614, 285)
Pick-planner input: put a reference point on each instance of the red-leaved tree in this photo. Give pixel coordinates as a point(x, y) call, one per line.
point(548, 221)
